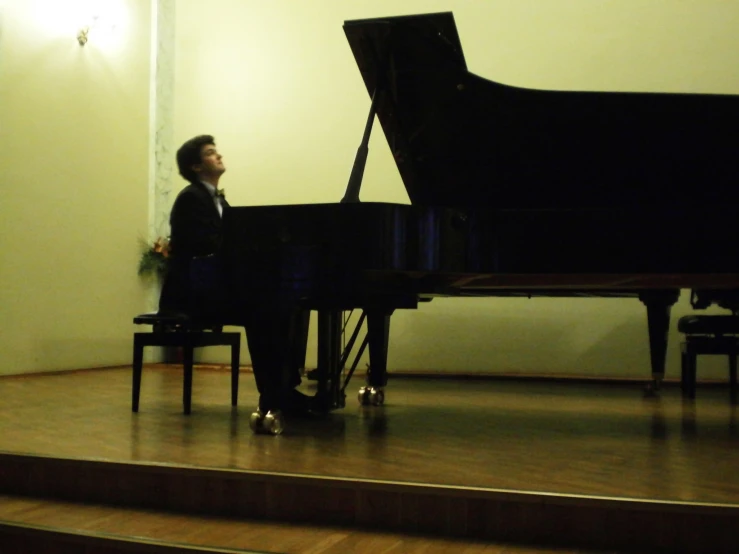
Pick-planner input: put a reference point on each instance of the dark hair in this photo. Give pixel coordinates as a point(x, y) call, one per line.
point(189, 155)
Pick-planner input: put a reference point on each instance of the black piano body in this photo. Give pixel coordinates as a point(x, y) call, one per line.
point(514, 192)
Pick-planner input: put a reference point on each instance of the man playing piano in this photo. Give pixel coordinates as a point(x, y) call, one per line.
point(191, 286)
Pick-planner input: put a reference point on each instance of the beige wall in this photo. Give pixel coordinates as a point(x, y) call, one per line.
point(278, 86)
point(276, 83)
point(74, 158)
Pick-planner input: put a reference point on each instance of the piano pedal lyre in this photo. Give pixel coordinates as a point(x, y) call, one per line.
point(271, 423)
point(371, 396)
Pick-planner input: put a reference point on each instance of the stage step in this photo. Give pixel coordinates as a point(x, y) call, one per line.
point(446, 512)
point(23, 538)
point(51, 526)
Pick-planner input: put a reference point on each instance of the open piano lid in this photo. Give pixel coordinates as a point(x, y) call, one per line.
point(461, 140)
point(391, 52)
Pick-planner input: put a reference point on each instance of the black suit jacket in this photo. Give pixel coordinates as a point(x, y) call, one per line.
point(196, 232)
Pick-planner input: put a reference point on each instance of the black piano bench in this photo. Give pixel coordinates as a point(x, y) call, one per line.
point(181, 331)
point(708, 334)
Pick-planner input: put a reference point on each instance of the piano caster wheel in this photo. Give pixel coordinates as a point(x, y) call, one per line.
point(271, 423)
point(371, 396)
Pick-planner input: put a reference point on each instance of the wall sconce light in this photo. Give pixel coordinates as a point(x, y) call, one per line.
point(102, 22)
point(84, 33)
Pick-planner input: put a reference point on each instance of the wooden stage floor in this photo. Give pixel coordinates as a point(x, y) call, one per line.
point(583, 439)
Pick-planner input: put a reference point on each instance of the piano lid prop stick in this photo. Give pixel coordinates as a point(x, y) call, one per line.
point(355, 179)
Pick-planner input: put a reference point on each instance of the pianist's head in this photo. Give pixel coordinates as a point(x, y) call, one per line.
point(198, 159)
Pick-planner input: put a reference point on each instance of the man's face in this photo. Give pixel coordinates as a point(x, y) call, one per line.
point(211, 162)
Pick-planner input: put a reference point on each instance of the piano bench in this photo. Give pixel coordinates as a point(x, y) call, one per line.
point(179, 330)
point(708, 334)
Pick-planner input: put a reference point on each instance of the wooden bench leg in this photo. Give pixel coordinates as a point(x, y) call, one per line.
point(235, 356)
point(187, 354)
point(692, 369)
point(684, 369)
point(732, 375)
point(138, 361)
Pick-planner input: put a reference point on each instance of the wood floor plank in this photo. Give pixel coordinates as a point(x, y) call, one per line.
point(594, 439)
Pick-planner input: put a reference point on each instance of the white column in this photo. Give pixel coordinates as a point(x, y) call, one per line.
point(162, 171)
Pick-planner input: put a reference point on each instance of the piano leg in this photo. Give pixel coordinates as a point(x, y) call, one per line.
point(329, 395)
point(300, 343)
point(659, 304)
point(378, 331)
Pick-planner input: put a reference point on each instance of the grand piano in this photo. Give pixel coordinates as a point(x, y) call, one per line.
point(513, 192)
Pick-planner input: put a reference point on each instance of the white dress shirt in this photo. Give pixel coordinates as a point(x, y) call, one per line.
point(213, 192)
